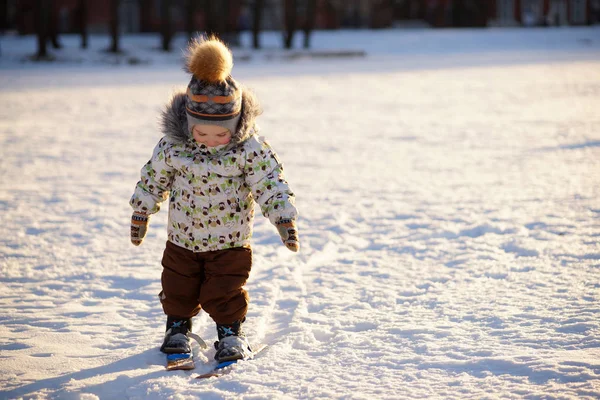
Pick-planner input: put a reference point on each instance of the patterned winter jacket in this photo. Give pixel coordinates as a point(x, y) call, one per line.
point(212, 191)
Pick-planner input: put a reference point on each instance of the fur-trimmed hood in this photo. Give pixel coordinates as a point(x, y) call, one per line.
point(174, 121)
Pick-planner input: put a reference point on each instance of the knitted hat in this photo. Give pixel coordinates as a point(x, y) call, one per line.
point(213, 96)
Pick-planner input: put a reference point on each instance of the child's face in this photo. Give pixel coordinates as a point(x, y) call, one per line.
point(211, 135)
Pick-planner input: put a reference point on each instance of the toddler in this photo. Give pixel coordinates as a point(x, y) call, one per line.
point(212, 167)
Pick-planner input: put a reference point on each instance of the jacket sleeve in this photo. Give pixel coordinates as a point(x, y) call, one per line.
point(155, 183)
point(264, 176)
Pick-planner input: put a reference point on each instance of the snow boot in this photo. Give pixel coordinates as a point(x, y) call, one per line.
point(232, 344)
point(177, 336)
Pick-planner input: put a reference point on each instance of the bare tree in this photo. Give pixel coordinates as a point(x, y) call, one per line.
point(356, 14)
point(52, 25)
point(214, 18)
point(230, 12)
point(41, 25)
point(333, 13)
point(166, 29)
point(190, 10)
point(309, 23)
point(290, 23)
point(114, 26)
point(82, 16)
point(219, 21)
point(257, 20)
point(3, 15)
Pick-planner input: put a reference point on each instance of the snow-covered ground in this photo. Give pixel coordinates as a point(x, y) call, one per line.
point(448, 185)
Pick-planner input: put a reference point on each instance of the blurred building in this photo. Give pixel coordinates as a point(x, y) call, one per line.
point(145, 15)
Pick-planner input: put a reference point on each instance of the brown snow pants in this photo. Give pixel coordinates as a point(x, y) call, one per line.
point(211, 280)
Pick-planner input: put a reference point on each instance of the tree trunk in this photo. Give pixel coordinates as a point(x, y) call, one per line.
point(3, 15)
point(190, 10)
point(41, 27)
point(212, 18)
point(232, 18)
point(166, 31)
point(53, 25)
point(146, 15)
point(355, 20)
point(290, 23)
point(82, 16)
point(258, 9)
point(333, 11)
point(311, 15)
point(114, 26)
point(224, 25)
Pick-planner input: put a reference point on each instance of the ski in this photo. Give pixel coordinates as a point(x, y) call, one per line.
point(180, 361)
point(184, 361)
point(225, 367)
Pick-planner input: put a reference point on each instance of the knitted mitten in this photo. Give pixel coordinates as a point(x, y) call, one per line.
point(289, 233)
point(139, 227)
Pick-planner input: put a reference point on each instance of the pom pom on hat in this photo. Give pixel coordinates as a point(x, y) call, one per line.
point(213, 96)
point(209, 59)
